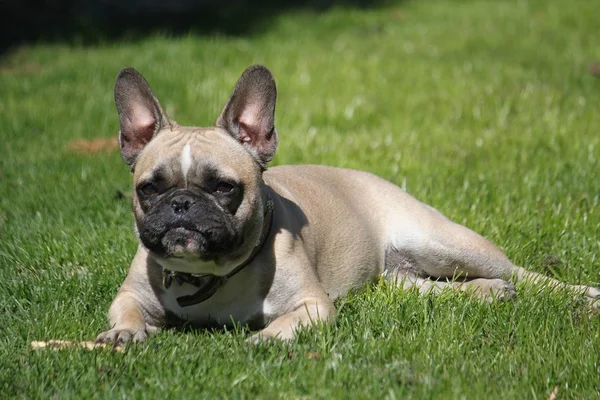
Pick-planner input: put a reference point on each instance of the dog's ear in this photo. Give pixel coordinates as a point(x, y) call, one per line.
point(140, 114)
point(249, 114)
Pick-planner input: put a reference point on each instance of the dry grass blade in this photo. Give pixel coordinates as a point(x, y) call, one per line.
point(66, 344)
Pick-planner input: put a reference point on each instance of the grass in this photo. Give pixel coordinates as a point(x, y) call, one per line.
point(485, 110)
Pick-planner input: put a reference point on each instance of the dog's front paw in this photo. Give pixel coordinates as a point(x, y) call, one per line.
point(260, 337)
point(120, 335)
point(267, 335)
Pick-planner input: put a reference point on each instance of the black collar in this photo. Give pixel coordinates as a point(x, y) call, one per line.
point(208, 284)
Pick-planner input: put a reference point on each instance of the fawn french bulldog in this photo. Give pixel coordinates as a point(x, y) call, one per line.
point(224, 240)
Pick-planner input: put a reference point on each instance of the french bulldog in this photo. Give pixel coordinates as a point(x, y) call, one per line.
point(224, 240)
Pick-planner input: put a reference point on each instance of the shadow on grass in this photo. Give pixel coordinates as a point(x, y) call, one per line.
point(88, 22)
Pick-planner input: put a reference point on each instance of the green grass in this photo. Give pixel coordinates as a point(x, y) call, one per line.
point(485, 110)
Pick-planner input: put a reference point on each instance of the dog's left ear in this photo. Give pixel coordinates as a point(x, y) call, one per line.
point(249, 114)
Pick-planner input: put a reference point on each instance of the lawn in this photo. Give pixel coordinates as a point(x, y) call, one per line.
point(487, 110)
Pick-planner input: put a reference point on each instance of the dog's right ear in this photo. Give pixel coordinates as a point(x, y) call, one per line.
point(140, 114)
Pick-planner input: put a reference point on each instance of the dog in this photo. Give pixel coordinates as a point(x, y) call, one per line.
point(224, 240)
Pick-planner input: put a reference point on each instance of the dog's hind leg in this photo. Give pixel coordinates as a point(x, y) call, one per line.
point(401, 270)
point(444, 249)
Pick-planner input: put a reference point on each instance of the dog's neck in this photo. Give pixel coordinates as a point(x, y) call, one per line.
point(208, 284)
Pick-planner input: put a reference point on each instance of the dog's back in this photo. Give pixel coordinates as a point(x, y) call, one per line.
point(358, 219)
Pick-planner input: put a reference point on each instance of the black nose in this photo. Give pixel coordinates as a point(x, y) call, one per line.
point(181, 204)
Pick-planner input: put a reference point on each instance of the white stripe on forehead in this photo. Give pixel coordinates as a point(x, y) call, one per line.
point(186, 161)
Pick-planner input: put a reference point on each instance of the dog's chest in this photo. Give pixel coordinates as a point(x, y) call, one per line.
point(235, 302)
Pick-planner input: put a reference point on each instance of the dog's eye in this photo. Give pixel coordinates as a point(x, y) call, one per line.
point(224, 187)
point(148, 189)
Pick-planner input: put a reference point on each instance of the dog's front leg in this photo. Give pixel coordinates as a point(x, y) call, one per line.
point(136, 311)
point(127, 321)
point(309, 312)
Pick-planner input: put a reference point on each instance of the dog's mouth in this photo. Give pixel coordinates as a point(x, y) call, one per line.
point(206, 240)
point(181, 241)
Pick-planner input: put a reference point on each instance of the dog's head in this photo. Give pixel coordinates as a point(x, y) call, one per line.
point(199, 201)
